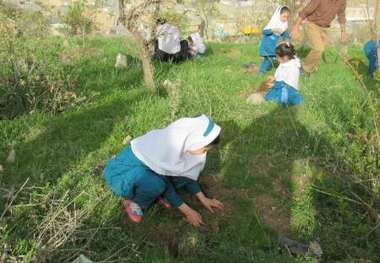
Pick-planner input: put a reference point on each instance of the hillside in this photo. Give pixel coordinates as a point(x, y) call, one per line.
point(280, 172)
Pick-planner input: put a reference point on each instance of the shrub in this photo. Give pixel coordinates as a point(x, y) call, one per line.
point(78, 19)
point(30, 77)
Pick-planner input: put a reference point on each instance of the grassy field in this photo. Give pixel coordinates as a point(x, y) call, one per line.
point(280, 172)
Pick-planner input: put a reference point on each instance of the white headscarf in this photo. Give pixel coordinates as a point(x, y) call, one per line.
point(198, 43)
point(275, 21)
point(289, 72)
point(169, 38)
point(165, 151)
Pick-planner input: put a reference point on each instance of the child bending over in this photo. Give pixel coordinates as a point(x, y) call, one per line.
point(159, 162)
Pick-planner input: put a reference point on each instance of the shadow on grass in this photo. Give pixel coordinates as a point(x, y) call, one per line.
point(98, 73)
point(281, 163)
point(66, 140)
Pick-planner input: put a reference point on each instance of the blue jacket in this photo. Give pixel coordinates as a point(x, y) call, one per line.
point(370, 50)
point(269, 42)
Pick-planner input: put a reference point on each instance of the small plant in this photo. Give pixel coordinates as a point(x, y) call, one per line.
point(174, 97)
point(29, 78)
point(79, 19)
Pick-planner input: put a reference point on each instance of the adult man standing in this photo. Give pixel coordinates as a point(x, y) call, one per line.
point(319, 14)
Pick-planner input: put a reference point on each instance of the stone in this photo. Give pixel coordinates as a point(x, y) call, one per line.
point(11, 156)
point(315, 249)
point(127, 139)
point(82, 259)
point(256, 98)
point(293, 247)
point(121, 61)
point(24, 5)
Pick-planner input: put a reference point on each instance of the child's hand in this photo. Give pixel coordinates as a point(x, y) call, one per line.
point(212, 204)
point(296, 33)
point(270, 80)
point(344, 37)
point(192, 216)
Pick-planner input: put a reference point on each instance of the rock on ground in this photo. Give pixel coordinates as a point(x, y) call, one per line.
point(256, 98)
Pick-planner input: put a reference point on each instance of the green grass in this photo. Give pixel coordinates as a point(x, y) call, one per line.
point(265, 169)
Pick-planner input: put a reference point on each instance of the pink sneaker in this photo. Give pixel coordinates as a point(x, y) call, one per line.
point(164, 203)
point(133, 210)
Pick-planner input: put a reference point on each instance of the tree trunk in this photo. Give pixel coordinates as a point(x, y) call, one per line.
point(148, 69)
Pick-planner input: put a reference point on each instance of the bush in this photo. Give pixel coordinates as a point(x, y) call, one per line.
point(30, 78)
point(78, 19)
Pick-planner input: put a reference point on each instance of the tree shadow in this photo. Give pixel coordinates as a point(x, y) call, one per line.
point(276, 162)
point(64, 141)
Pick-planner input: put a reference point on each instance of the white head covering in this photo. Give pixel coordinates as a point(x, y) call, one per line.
point(169, 38)
point(289, 72)
point(275, 21)
point(198, 43)
point(165, 151)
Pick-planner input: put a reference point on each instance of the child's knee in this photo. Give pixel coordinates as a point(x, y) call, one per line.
point(153, 185)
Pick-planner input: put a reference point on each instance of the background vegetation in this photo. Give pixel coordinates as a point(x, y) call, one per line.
point(310, 173)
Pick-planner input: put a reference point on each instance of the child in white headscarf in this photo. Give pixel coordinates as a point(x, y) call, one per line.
point(197, 45)
point(169, 46)
point(273, 32)
point(160, 161)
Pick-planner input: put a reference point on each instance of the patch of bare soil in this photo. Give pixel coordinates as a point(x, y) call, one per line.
point(272, 213)
point(179, 240)
point(163, 235)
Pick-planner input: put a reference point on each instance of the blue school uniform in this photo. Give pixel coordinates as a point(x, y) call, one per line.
point(370, 50)
point(130, 178)
point(284, 94)
point(268, 46)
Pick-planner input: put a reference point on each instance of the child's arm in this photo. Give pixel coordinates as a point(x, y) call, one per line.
point(209, 203)
point(286, 35)
point(192, 216)
point(194, 188)
point(267, 32)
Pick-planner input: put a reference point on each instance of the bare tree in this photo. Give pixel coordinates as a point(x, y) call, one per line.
point(140, 20)
point(206, 8)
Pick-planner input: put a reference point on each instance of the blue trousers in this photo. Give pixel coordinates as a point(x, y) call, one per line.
point(370, 50)
point(267, 64)
point(130, 178)
point(150, 186)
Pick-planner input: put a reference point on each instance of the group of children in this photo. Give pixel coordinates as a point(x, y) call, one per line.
point(275, 47)
point(154, 165)
point(171, 47)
